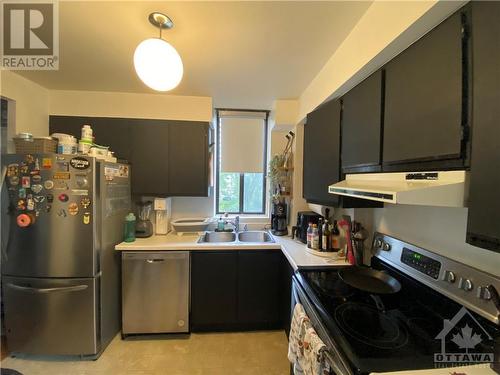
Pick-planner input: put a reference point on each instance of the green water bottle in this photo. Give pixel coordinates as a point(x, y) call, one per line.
point(129, 231)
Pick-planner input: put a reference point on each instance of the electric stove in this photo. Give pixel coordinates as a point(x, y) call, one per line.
point(422, 326)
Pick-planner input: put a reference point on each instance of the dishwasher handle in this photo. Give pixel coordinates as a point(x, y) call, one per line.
point(153, 261)
point(155, 257)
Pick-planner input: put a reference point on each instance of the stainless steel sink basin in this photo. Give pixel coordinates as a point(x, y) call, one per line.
point(218, 237)
point(255, 236)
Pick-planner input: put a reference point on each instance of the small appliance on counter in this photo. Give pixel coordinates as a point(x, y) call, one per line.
point(144, 226)
point(162, 215)
point(303, 220)
point(278, 219)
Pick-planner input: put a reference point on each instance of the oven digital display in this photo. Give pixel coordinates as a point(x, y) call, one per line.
point(421, 263)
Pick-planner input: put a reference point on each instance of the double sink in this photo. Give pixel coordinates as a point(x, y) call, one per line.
point(254, 236)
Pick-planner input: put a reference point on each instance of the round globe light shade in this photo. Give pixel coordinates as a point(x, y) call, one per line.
point(158, 64)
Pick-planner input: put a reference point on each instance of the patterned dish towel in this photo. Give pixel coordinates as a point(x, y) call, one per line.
point(305, 348)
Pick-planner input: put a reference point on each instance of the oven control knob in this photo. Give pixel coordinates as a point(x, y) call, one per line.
point(378, 243)
point(449, 276)
point(386, 246)
point(483, 293)
point(465, 284)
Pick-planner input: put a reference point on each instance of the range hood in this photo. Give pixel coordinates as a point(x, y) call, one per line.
point(419, 188)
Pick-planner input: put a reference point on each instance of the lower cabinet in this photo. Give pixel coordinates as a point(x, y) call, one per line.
point(237, 290)
point(259, 288)
point(214, 285)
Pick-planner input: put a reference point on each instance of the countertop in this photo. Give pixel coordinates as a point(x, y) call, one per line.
point(293, 250)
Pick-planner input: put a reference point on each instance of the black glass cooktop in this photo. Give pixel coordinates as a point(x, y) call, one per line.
point(382, 332)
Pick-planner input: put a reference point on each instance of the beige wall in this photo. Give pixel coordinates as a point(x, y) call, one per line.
point(129, 105)
point(386, 29)
point(31, 103)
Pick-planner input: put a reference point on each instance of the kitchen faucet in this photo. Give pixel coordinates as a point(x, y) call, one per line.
point(235, 223)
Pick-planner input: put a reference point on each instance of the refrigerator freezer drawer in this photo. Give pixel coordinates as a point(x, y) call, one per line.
point(155, 292)
point(51, 316)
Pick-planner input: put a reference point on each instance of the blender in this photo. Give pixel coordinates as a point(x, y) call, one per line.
point(144, 226)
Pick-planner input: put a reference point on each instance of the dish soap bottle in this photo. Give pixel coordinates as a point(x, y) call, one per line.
point(221, 225)
point(129, 231)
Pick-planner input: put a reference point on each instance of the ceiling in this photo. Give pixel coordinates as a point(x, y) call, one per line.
point(244, 54)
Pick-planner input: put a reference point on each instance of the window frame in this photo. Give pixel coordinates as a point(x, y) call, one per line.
point(241, 210)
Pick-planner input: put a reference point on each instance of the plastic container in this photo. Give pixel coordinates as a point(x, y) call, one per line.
point(190, 225)
point(87, 134)
point(67, 143)
point(129, 228)
point(84, 147)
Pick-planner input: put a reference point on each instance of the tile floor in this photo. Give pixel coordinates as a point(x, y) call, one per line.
point(259, 353)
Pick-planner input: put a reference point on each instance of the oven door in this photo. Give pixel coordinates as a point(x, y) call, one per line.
point(333, 355)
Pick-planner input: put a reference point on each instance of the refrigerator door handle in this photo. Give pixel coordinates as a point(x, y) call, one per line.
point(47, 290)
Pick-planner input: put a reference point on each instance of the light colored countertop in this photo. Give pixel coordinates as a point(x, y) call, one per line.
point(294, 251)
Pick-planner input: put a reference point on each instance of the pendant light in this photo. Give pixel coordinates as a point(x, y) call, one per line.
point(156, 62)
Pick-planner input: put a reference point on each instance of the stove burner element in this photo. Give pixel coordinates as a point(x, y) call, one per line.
point(371, 327)
point(333, 287)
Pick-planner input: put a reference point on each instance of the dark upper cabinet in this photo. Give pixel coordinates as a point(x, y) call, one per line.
point(483, 227)
point(260, 288)
point(188, 146)
point(149, 158)
point(321, 166)
point(213, 289)
point(168, 158)
point(423, 119)
point(362, 125)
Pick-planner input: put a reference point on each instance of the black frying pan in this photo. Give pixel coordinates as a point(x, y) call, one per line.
point(370, 280)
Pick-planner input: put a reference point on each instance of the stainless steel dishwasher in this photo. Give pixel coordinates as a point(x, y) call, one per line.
point(155, 292)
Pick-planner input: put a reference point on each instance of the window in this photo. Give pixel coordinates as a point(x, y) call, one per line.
point(241, 161)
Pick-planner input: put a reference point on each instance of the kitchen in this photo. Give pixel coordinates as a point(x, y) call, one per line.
point(123, 260)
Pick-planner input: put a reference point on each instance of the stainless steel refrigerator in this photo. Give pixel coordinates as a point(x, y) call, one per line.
point(62, 215)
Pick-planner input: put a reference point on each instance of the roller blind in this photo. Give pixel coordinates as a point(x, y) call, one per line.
point(242, 141)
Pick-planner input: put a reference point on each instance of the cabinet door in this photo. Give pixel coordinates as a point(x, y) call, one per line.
point(213, 290)
point(188, 151)
point(423, 98)
point(68, 125)
point(484, 206)
point(114, 132)
point(259, 288)
point(150, 163)
point(361, 125)
point(321, 153)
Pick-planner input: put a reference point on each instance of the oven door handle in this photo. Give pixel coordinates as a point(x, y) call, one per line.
point(340, 365)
